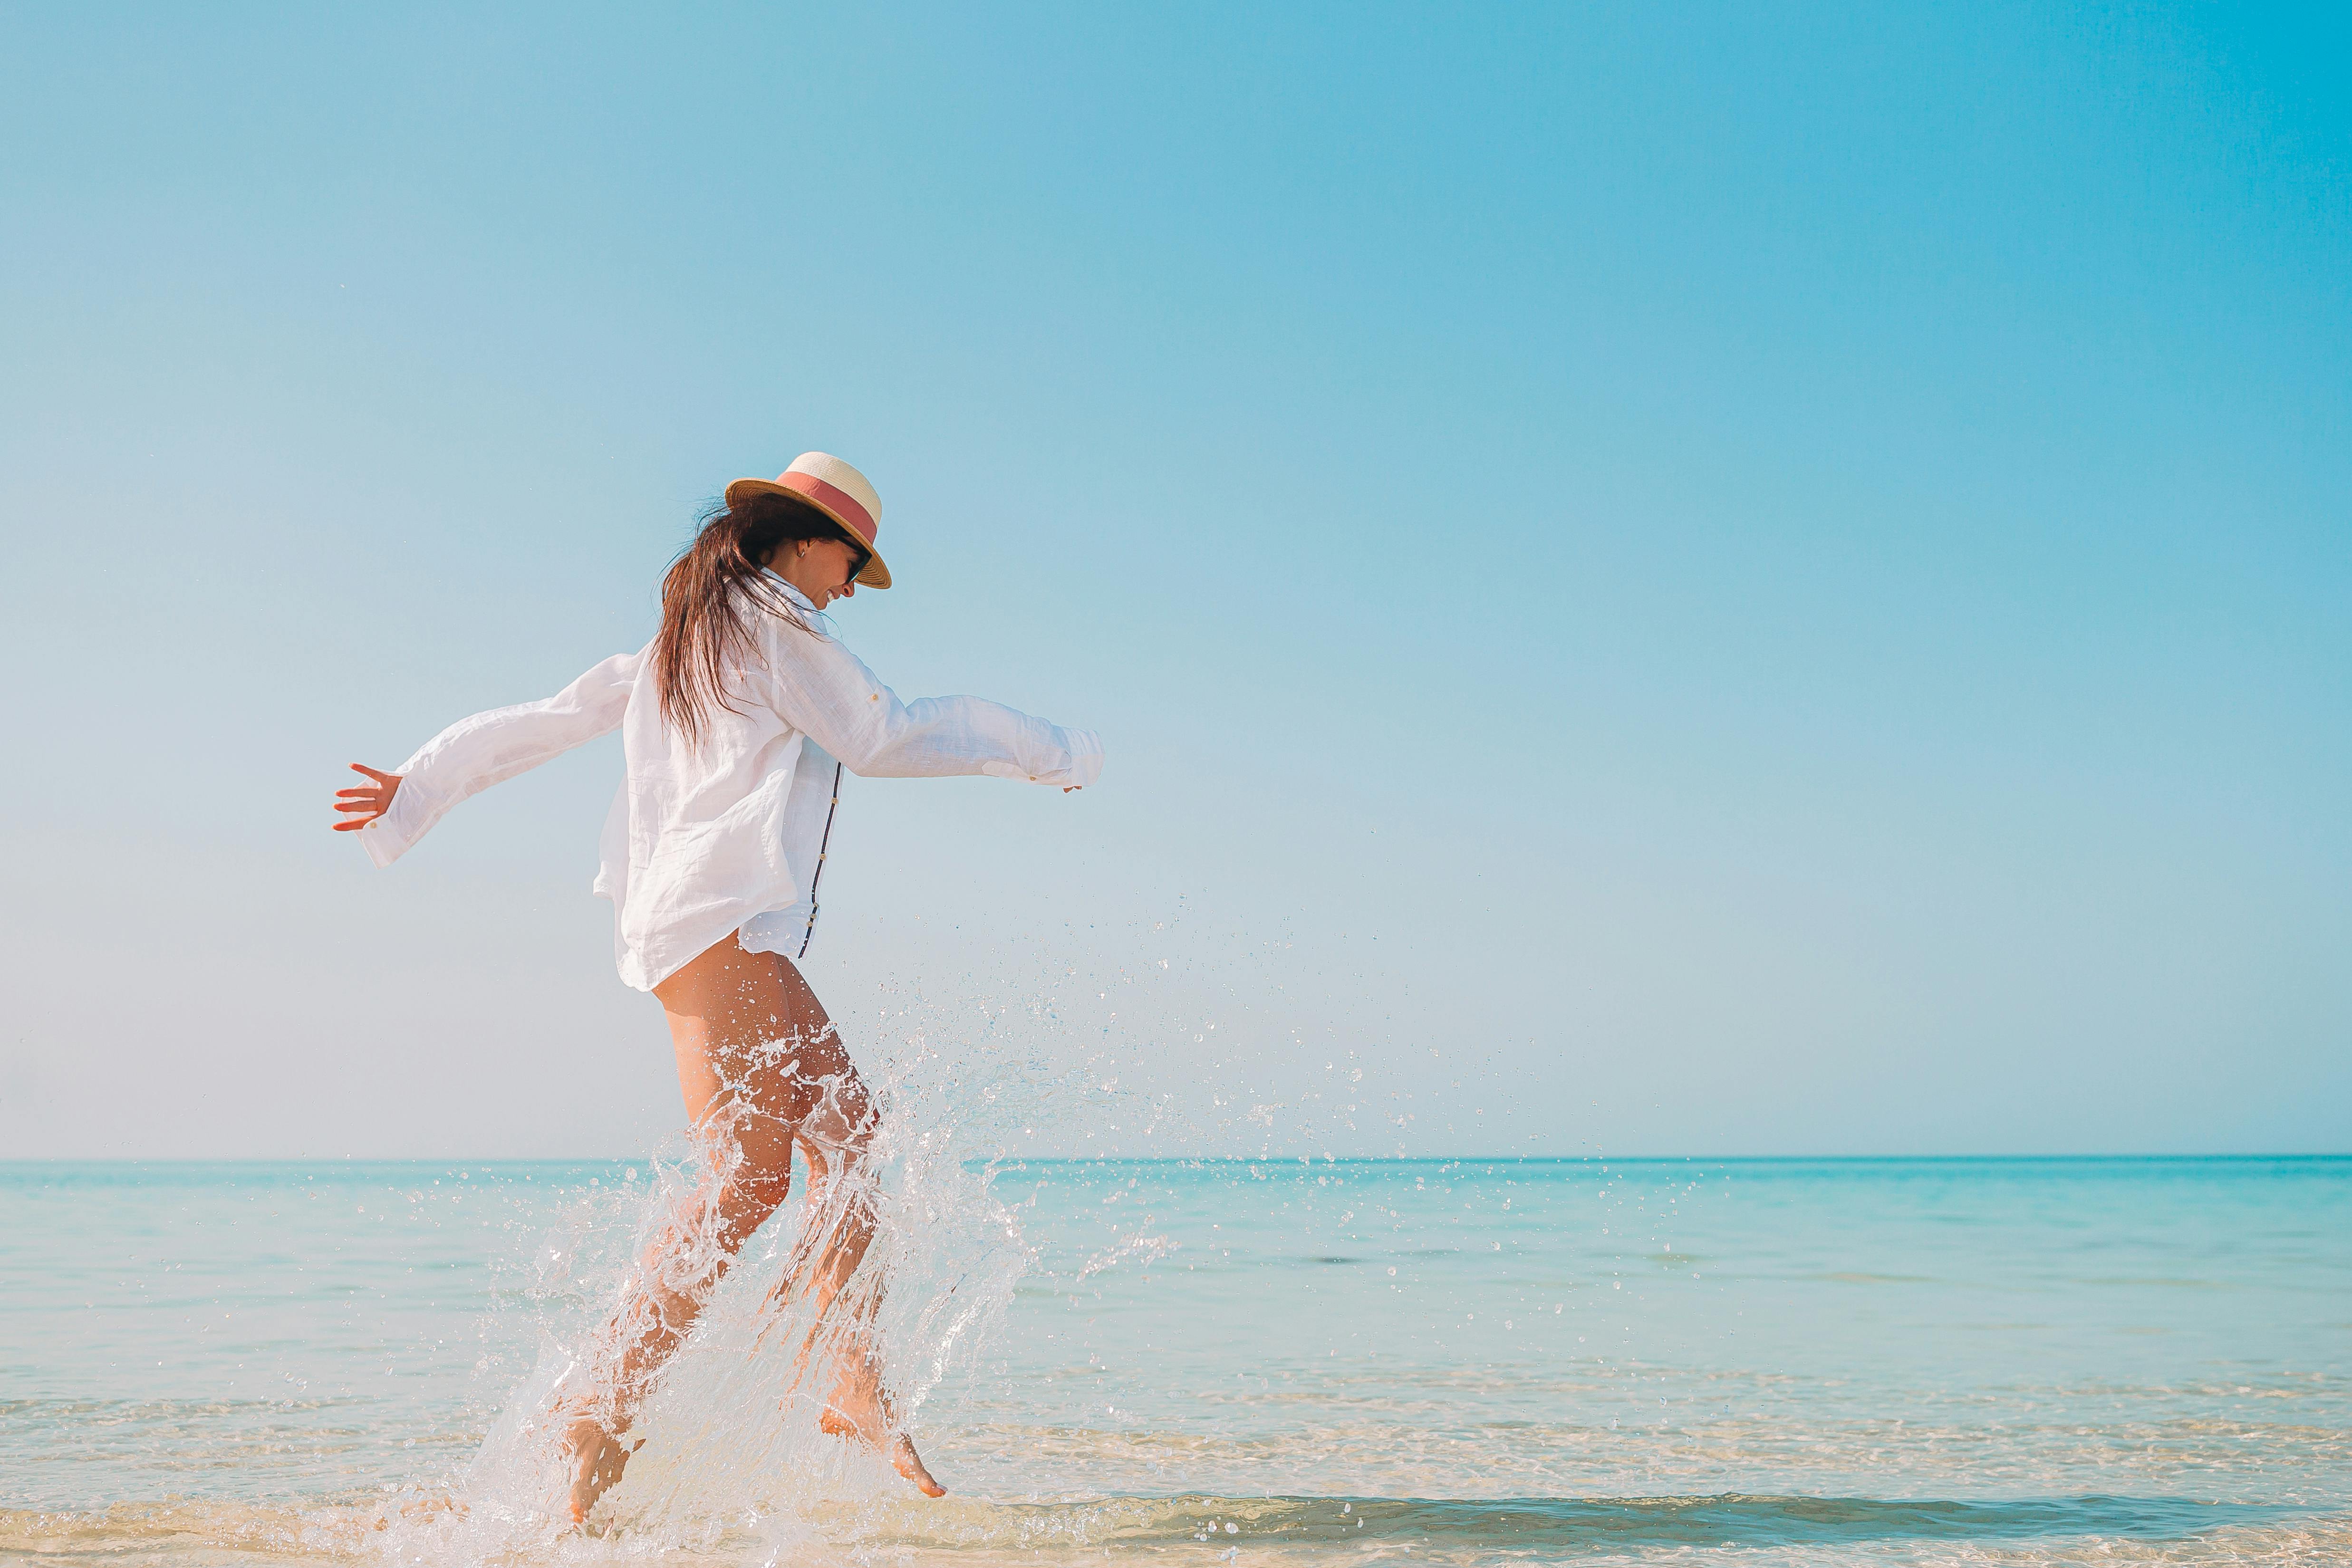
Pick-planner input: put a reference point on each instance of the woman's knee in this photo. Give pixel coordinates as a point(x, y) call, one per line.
point(744, 1207)
point(840, 1143)
point(758, 1184)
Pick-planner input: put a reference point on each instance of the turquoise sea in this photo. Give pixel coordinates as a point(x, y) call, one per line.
point(1457, 1361)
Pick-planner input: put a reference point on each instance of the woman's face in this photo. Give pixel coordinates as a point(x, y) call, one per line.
point(821, 569)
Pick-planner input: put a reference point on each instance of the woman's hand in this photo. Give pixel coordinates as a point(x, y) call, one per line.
point(366, 803)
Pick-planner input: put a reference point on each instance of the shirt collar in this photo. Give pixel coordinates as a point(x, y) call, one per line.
point(797, 596)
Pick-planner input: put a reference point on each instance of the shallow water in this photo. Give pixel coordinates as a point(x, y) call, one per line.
point(1473, 1362)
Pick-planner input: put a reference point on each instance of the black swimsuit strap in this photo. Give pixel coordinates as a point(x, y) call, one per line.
point(831, 807)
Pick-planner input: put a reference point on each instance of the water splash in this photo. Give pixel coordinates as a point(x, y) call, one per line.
point(728, 1426)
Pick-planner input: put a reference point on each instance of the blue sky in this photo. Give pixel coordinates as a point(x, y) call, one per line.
point(1732, 581)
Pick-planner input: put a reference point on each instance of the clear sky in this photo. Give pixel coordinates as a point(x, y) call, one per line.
point(1733, 580)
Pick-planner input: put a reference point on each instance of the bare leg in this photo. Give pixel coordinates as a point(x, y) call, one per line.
point(759, 1065)
point(834, 1135)
point(858, 1408)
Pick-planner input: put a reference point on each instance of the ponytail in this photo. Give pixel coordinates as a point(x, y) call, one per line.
point(711, 595)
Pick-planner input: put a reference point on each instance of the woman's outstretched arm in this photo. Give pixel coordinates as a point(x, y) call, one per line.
point(823, 690)
point(471, 755)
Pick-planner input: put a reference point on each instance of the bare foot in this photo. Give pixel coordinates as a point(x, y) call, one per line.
point(597, 1460)
point(420, 1510)
point(836, 1423)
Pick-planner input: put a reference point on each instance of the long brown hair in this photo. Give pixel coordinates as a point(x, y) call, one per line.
point(713, 593)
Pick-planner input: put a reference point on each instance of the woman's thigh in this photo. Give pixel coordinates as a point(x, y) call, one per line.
point(756, 1049)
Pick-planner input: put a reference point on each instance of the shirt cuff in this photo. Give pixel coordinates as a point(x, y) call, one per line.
point(392, 835)
point(1086, 757)
point(1082, 749)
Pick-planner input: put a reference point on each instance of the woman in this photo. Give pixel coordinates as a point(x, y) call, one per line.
point(736, 720)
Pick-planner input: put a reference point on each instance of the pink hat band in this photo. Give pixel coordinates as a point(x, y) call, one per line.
point(845, 508)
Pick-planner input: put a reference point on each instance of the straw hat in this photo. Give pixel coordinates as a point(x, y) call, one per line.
point(835, 488)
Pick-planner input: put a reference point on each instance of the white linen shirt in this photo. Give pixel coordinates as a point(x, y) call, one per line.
point(722, 837)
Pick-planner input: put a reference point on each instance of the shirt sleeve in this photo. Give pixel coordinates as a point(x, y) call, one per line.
point(823, 690)
point(474, 753)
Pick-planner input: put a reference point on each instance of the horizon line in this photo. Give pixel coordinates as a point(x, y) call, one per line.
point(8, 1160)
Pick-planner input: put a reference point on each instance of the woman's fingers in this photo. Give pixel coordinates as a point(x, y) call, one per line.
point(365, 802)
